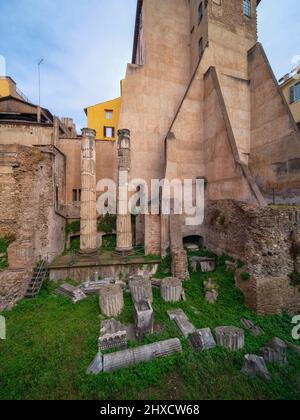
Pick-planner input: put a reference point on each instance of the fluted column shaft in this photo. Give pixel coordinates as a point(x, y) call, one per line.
point(88, 212)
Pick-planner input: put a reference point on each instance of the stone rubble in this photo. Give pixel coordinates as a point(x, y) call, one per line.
point(69, 291)
point(254, 329)
point(94, 287)
point(256, 366)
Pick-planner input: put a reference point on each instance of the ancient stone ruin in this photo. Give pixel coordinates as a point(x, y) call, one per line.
point(171, 289)
point(111, 301)
point(232, 338)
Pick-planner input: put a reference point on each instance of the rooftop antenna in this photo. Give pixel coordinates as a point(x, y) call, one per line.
point(39, 71)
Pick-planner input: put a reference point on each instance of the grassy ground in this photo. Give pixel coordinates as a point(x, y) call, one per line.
point(51, 342)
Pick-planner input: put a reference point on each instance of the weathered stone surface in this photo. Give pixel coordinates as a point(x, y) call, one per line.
point(275, 352)
point(180, 264)
point(203, 264)
point(256, 366)
point(126, 358)
point(112, 335)
point(156, 283)
point(202, 340)
point(94, 287)
point(144, 318)
point(261, 238)
point(182, 322)
point(231, 338)
point(171, 289)
point(88, 212)
point(111, 300)
point(211, 291)
point(13, 287)
point(230, 265)
point(254, 329)
point(74, 293)
point(96, 366)
point(141, 290)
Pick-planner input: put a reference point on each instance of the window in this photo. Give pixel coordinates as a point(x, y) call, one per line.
point(108, 114)
point(76, 196)
point(295, 93)
point(109, 132)
point(200, 47)
point(200, 12)
point(247, 8)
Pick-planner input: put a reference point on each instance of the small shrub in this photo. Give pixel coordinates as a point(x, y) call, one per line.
point(107, 223)
point(73, 227)
point(295, 278)
point(240, 264)
point(245, 276)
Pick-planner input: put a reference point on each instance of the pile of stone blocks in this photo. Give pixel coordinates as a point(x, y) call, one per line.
point(113, 334)
point(69, 291)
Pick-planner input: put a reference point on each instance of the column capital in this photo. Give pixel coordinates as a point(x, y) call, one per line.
point(88, 132)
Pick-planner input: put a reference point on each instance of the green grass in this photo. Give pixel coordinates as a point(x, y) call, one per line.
point(4, 244)
point(51, 342)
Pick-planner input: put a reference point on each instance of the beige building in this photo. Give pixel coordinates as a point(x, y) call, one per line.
point(290, 85)
point(200, 101)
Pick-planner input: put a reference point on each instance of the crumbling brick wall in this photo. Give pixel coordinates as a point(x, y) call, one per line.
point(28, 211)
point(262, 239)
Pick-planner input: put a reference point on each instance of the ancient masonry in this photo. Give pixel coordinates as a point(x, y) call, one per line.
point(88, 211)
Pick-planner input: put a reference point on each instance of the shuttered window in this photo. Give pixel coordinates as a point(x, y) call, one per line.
point(247, 8)
point(295, 93)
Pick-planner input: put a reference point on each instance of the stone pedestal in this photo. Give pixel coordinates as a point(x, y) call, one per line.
point(231, 338)
point(141, 290)
point(124, 228)
point(144, 318)
point(88, 212)
point(171, 289)
point(111, 301)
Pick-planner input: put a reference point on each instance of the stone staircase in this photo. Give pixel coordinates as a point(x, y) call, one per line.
point(39, 274)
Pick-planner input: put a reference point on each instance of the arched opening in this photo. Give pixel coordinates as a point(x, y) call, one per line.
point(193, 242)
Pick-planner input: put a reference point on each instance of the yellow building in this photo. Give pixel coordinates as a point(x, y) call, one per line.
point(8, 87)
point(290, 85)
point(104, 117)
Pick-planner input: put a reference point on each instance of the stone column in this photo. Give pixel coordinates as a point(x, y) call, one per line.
point(124, 229)
point(88, 212)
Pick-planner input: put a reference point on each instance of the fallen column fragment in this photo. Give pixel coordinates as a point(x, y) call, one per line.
point(75, 294)
point(126, 358)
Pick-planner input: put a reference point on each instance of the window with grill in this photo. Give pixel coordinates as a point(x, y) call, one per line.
point(295, 93)
point(247, 8)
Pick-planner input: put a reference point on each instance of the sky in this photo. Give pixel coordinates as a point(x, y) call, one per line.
point(86, 45)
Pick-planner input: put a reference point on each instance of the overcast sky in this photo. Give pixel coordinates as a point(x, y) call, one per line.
point(87, 43)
